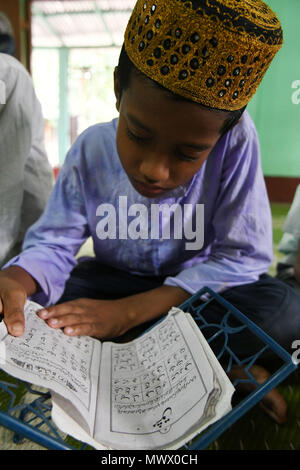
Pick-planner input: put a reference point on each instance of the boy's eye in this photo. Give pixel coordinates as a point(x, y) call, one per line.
point(136, 137)
point(143, 140)
point(186, 158)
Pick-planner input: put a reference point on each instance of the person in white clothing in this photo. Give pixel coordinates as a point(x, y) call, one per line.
point(26, 177)
point(288, 267)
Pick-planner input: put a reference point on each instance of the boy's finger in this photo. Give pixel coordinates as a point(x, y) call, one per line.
point(58, 310)
point(84, 329)
point(14, 317)
point(67, 320)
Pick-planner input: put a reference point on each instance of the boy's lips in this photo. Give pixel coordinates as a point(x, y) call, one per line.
point(150, 188)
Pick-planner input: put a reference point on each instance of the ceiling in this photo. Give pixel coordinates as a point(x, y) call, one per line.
point(68, 23)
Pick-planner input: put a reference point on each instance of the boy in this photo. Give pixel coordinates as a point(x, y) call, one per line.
point(186, 73)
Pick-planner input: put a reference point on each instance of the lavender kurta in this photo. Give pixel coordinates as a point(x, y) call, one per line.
point(237, 218)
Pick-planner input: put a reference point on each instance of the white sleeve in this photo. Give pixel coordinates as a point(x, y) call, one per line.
point(38, 175)
point(26, 175)
point(292, 221)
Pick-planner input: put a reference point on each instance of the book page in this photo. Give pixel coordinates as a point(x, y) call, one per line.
point(68, 421)
point(225, 384)
point(219, 402)
point(155, 387)
point(46, 357)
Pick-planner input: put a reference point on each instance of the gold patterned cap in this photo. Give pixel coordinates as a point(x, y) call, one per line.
point(213, 52)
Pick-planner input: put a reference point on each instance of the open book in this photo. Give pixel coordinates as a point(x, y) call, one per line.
point(155, 392)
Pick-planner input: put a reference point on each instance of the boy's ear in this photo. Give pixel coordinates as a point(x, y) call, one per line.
point(117, 88)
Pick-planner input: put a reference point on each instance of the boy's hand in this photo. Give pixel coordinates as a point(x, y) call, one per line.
point(112, 318)
point(88, 317)
point(15, 285)
point(12, 300)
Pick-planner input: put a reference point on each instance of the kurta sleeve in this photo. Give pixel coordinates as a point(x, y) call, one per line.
point(38, 175)
point(242, 248)
point(292, 221)
point(289, 242)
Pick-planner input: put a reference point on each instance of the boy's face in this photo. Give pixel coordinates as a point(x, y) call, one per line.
point(162, 142)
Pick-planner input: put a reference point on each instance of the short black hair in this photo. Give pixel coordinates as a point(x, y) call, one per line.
point(125, 67)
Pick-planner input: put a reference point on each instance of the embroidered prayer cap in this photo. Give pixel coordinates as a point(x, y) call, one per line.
point(213, 52)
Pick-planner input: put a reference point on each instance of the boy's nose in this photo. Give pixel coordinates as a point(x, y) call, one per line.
point(155, 171)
